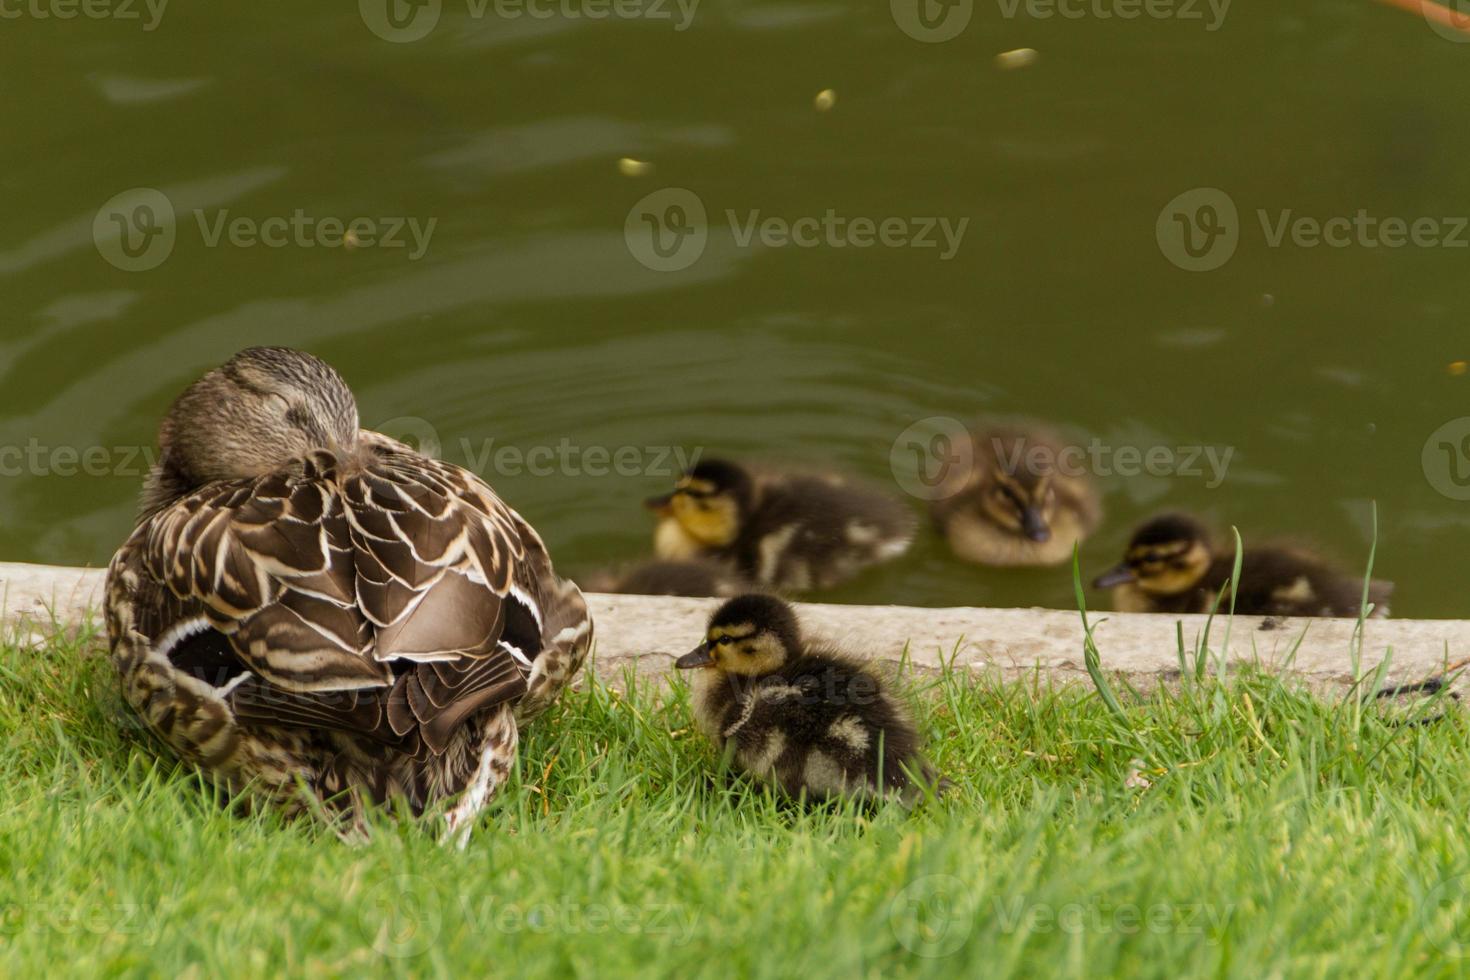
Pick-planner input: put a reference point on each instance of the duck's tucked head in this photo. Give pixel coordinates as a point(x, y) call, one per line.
point(1017, 489)
point(1167, 555)
point(750, 636)
point(263, 407)
point(707, 508)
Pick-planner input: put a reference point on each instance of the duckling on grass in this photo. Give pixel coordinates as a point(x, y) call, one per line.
point(780, 531)
point(801, 715)
point(1172, 566)
point(1024, 499)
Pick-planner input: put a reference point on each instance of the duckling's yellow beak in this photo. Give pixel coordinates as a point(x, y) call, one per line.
point(1121, 575)
point(660, 505)
point(698, 657)
point(1034, 526)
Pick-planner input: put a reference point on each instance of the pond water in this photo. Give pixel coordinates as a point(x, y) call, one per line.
point(499, 295)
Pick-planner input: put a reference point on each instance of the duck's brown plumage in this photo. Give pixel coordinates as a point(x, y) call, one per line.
point(365, 619)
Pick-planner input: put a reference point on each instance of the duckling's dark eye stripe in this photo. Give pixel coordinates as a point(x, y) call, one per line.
point(697, 494)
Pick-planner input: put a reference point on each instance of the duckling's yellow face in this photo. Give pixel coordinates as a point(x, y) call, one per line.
point(698, 510)
point(1024, 508)
point(1169, 567)
point(743, 649)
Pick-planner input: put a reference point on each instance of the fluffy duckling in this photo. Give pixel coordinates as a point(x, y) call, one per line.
point(800, 715)
point(694, 577)
point(1024, 499)
point(1171, 566)
point(781, 531)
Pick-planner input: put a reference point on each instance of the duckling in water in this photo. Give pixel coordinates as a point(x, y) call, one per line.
point(801, 716)
point(1023, 500)
point(782, 531)
point(696, 577)
point(1171, 566)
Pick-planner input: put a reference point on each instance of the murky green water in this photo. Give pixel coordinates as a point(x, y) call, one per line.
point(530, 321)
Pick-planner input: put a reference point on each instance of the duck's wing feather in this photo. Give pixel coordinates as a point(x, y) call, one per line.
point(390, 599)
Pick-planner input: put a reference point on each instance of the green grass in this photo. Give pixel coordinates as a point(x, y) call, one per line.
point(1274, 837)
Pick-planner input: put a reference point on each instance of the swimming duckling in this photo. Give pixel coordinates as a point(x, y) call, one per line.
point(1023, 500)
point(800, 715)
point(1171, 566)
point(696, 577)
point(781, 531)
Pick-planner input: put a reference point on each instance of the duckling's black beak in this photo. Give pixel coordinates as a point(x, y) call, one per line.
point(1033, 525)
point(698, 657)
point(1121, 575)
point(660, 504)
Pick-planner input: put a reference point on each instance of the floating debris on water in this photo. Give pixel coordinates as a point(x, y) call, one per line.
point(825, 99)
point(1458, 368)
point(1017, 58)
point(630, 167)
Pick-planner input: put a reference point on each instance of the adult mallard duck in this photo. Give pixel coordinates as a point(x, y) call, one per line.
point(306, 605)
point(779, 530)
point(1018, 495)
point(1172, 566)
point(803, 716)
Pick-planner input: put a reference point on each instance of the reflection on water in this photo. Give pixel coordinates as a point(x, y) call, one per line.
point(529, 326)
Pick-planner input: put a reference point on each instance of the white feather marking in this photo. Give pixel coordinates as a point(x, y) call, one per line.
point(525, 599)
point(178, 633)
point(515, 651)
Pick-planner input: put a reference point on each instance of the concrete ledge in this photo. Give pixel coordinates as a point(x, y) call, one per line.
point(646, 632)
